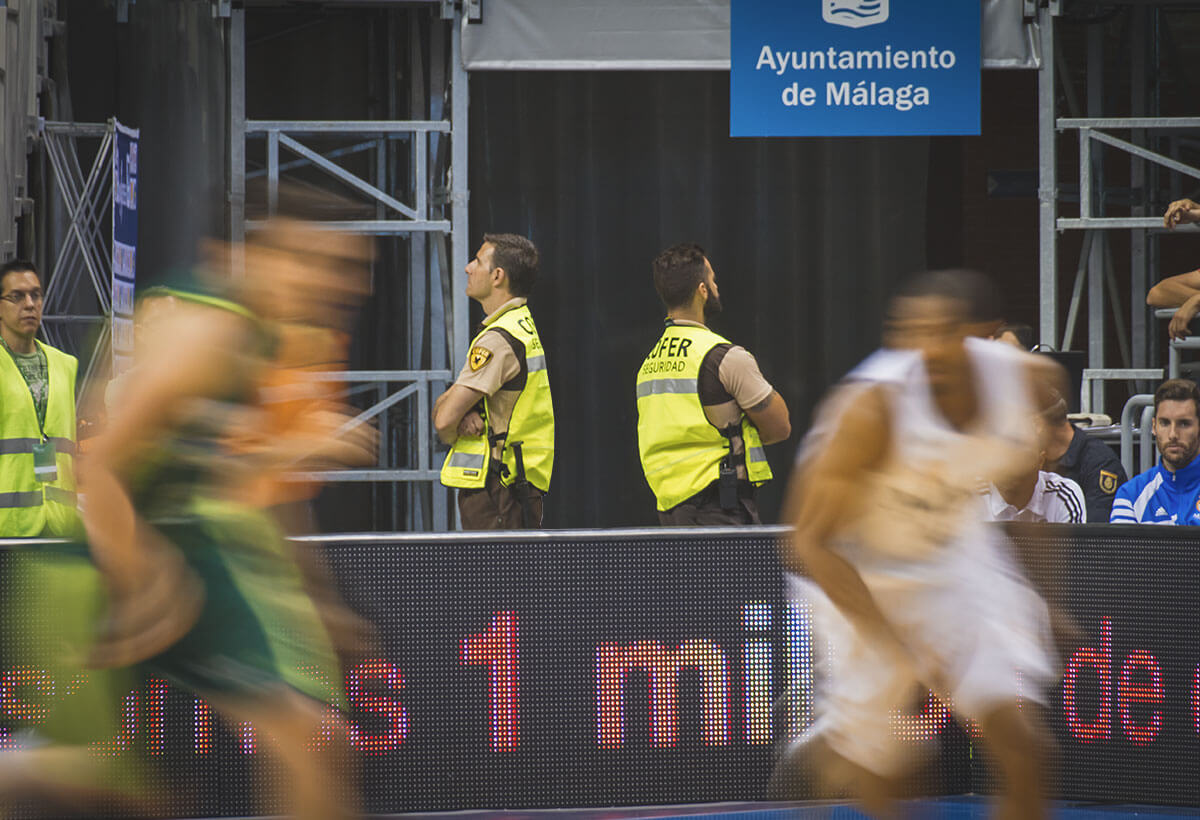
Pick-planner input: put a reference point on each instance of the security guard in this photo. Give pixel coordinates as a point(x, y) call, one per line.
point(704, 409)
point(1087, 461)
point(498, 416)
point(37, 422)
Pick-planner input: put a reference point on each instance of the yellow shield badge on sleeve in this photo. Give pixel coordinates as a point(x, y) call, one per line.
point(1108, 482)
point(478, 357)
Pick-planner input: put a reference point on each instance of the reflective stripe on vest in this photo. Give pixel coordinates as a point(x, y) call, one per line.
point(14, 446)
point(29, 499)
point(681, 451)
point(34, 498)
point(466, 465)
point(656, 388)
point(532, 421)
point(29, 508)
point(60, 496)
point(468, 460)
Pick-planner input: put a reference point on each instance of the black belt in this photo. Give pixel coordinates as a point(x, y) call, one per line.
point(712, 494)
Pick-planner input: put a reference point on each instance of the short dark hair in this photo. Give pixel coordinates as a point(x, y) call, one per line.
point(18, 266)
point(678, 271)
point(1177, 390)
point(1055, 409)
point(975, 291)
point(1024, 334)
point(519, 258)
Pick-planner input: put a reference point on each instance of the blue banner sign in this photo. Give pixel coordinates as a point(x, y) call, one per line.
point(124, 243)
point(833, 68)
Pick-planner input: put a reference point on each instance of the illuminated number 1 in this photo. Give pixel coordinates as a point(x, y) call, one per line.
point(497, 650)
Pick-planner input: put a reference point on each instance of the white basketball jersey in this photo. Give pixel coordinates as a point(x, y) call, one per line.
point(927, 492)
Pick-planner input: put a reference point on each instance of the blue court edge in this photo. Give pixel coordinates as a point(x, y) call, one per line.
point(941, 808)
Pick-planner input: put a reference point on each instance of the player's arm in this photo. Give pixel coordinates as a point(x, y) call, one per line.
point(198, 357)
point(320, 436)
point(826, 495)
point(454, 414)
point(770, 417)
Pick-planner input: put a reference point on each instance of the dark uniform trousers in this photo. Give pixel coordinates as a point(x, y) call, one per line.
point(704, 509)
point(495, 507)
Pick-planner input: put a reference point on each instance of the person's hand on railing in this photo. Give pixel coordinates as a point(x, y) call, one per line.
point(1181, 212)
point(1182, 318)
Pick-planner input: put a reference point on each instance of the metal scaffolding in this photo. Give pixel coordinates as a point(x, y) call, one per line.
point(73, 164)
point(1152, 147)
point(73, 318)
point(415, 179)
point(25, 26)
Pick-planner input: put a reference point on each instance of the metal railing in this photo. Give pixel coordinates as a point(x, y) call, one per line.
point(1095, 279)
point(1089, 133)
point(1146, 443)
point(416, 449)
point(1092, 375)
point(412, 217)
point(411, 168)
point(1174, 360)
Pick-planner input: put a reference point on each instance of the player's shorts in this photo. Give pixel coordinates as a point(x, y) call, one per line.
point(258, 629)
point(969, 617)
point(54, 601)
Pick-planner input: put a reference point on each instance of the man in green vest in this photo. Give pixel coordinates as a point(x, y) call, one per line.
point(37, 416)
point(498, 416)
point(704, 409)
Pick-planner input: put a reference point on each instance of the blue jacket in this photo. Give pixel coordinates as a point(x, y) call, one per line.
point(1159, 496)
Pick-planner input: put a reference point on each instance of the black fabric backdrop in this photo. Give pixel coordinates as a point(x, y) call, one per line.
point(603, 170)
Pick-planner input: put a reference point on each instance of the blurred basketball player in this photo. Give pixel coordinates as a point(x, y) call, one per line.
point(196, 584)
point(204, 588)
point(907, 587)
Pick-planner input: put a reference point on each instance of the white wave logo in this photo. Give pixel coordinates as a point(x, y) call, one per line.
point(854, 13)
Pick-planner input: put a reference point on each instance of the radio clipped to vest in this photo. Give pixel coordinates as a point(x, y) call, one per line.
point(727, 480)
point(520, 486)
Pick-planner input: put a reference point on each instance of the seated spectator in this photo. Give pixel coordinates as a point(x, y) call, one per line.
point(1181, 291)
point(1088, 462)
point(1038, 497)
point(1167, 493)
point(1020, 336)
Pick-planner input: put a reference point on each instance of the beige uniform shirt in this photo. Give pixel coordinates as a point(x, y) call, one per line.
point(491, 365)
point(730, 382)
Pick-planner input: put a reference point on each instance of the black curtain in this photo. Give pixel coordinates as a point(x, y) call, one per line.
point(164, 73)
point(604, 169)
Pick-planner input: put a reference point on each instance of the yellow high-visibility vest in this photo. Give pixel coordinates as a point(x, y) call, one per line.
point(28, 507)
point(681, 450)
point(532, 422)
